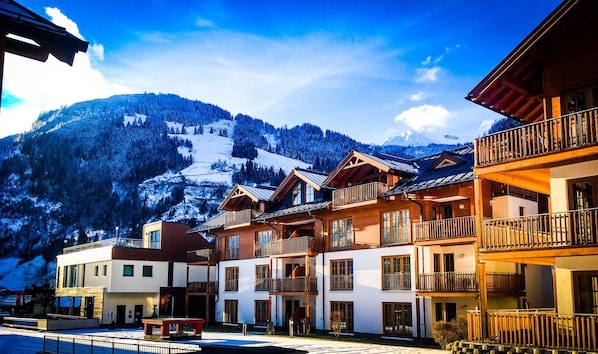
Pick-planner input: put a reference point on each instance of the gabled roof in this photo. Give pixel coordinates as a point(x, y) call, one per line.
point(49, 38)
point(459, 170)
point(352, 166)
point(245, 195)
point(514, 88)
point(313, 178)
point(294, 210)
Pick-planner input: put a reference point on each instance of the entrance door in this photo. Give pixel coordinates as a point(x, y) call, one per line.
point(586, 288)
point(88, 307)
point(290, 307)
point(138, 314)
point(398, 319)
point(583, 222)
point(121, 311)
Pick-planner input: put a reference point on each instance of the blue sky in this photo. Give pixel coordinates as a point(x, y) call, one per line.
point(368, 69)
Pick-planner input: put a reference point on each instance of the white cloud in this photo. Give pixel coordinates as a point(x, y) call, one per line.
point(418, 96)
point(424, 118)
point(486, 124)
point(427, 74)
point(96, 51)
point(42, 86)
point(59, 19)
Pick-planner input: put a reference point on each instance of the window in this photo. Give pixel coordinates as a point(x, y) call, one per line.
point(105, 270)
point(396, 273)
point(154, 240)
point(262, 274)
point(262, 312)
point(342, 233)
point(230, 311)
point(73, 276)
point(96, 271)
point(396, 227)
point(446, 311)
point(397, 318)
point(128, 270)
point(148, 271)
point(309, 193)
point(296, 196)
point(439, 311)
point(232, 279)
point(232, 247)
point(583, 195)
point(262, 243)
point(344, 312)
point(341, 274)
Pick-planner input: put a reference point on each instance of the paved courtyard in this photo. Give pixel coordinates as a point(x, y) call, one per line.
point(19, 341)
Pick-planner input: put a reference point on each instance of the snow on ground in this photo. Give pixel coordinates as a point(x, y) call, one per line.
point(30, 342)
point(15, 276)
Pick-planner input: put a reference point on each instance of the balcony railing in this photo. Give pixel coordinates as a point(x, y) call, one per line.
point(294, 285)
point(239, 217)
point(445, 229)
point(202, 287)
point(111, 242)
point(558, 134)
point(341, 282)
point(398, 235)
point(358, 194)
point(447, 282)
point(396, 281)
point(537, 329)
point(203, 255)
point(505, 282)
point(571, 228)
point(295, 245)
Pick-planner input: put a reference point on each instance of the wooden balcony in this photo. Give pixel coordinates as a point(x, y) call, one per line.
point(569, 132)
point(357, 195)
point(537, 329)
point(445, 229)
point(505, 283)
point(447, 282)
point(544, 231)
point(203, 256)
point(239, 218)
point(293, 286)
point(202, 287)
point(304, 245)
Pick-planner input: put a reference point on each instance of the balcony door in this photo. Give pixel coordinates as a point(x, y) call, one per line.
point(586, 291)
point(583, 196)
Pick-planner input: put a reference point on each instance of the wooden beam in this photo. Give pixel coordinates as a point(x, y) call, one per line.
point(530, 180)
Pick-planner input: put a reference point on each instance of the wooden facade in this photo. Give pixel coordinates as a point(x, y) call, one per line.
point(548, 83)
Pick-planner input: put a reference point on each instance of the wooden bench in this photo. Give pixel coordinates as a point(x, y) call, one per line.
point(172, 328)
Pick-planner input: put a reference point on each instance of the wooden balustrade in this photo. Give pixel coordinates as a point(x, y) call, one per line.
point(447, 282)
point(505, 282)
point(445, 229)
point(358, 194)
point(294, 285)
point(202, 287)
point(567, 132)
point(295, 245)
point(239, 217)
point(203, 255)
point(571, 228)
point(537, 328)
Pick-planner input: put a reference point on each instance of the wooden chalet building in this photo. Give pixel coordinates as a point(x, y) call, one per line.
point(386, 243)
point(549, 83)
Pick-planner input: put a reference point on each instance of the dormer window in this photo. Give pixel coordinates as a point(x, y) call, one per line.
point(297, 194)
point(309, 193)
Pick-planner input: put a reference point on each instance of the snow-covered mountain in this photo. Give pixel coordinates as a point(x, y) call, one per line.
point(412, 138)
point(127, 160)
